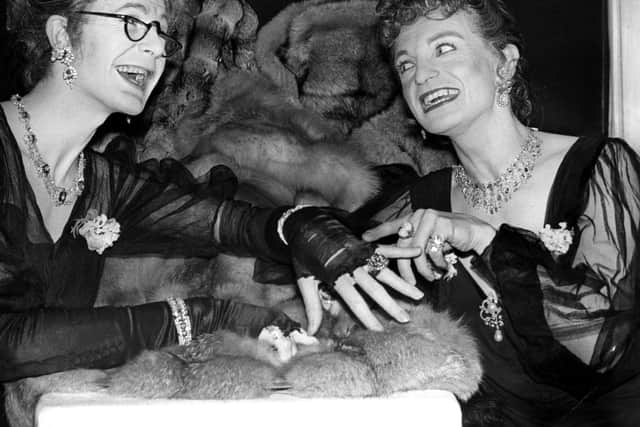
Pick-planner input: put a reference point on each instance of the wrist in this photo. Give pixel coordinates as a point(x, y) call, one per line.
point(283, 218)
point(181, 319)
point(487, 236)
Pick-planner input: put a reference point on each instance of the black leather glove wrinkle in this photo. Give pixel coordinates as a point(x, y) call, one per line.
point(323, 245)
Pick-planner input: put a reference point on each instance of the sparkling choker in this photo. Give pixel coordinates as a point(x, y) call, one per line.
point(59, 195)
point(493, 195)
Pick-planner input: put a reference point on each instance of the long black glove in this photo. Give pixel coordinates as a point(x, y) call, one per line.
point(209, 314)
point(322, 245)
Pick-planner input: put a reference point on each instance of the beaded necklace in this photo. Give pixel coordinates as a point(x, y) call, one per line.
point(59, 195)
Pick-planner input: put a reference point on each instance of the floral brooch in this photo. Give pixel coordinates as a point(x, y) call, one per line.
point(99, 231)
point(557, 240)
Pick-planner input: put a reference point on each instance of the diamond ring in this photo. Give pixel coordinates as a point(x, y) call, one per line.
point(376, 263)
point(406, 231)
point(435, 243)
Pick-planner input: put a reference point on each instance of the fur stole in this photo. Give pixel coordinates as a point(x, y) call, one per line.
point(430, 352)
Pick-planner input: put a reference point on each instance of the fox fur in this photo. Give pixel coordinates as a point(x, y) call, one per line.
point(431, 352)
point(215, 107)
point(325, 55)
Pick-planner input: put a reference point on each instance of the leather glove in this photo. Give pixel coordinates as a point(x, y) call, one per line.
point(322, 245)
point(210, 314)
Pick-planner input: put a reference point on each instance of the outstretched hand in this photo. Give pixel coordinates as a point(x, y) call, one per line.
point(345, 286)
point(325, 250)
point(437, 232)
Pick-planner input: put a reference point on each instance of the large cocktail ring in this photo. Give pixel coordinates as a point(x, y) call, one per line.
point(375, 263)
point(435, 243)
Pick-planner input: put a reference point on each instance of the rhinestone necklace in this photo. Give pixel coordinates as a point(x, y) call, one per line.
point(59, 195)
point(492, 195)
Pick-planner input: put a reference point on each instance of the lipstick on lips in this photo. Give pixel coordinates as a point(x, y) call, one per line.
point(437, 97)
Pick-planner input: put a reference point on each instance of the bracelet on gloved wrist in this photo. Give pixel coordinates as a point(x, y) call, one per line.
point(181, 319)
point(284, 217)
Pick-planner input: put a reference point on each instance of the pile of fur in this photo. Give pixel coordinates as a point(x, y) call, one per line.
point(430, 352)
point(325, 55)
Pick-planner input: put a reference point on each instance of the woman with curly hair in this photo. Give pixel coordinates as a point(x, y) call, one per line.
point(544, 226)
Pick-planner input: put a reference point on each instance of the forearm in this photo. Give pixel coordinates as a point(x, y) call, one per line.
point(247, 230)
point(43, 341)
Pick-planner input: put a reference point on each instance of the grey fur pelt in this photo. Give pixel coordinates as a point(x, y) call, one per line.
point(430, 352)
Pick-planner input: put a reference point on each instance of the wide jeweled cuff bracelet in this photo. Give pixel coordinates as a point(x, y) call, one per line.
point(181, 319)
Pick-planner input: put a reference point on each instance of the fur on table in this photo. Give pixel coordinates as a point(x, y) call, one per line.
point(431, 352)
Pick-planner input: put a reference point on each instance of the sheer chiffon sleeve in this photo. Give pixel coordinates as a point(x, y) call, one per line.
point(590, 292)
point(47, 289)
point(163, 209)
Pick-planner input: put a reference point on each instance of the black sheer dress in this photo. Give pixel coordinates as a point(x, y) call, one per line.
point(48, 288)
point(549, 299)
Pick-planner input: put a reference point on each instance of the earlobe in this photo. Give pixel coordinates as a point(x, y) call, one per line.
point(56, 29)
point(511, 56)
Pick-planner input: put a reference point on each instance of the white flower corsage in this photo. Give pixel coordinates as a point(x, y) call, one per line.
point(99, 231)
point(557, 240)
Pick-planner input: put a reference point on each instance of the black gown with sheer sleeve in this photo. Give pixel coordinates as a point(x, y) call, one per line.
point(591, 290)
point(48, 288)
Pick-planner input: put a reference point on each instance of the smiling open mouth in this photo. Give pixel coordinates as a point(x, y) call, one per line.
point(435, 98)
point(135, 75)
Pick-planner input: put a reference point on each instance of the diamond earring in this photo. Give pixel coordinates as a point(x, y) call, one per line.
point(64, 55)
point(503, 91)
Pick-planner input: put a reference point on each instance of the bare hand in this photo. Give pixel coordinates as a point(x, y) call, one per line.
point(436, 232)
point(345, 287)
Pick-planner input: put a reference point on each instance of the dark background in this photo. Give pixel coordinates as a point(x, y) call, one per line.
point(567, 51)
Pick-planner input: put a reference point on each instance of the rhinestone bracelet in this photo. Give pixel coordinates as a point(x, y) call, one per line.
point(284, 217)
point(181, 319)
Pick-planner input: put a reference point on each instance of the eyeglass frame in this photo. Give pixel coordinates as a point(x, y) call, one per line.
point(126, 19)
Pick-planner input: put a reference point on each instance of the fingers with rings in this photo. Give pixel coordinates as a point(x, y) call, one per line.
point(376, 263)
point(451, 259)
point(406, 230)
point(345, 286)
point(377, 267)
point(440, 253)
point(435, 244)
point(405, 264)
point(426, 225)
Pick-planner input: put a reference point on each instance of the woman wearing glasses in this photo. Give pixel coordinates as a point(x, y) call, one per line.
point(64, 207)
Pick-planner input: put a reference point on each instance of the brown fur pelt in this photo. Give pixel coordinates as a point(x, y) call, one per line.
point(219, 38)
point(325, 55)
point(277, 148)
point(281, 153)
point(431, 352)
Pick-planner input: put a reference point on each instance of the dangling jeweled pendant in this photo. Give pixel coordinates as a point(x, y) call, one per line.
point(491, 315)
point(62, 197)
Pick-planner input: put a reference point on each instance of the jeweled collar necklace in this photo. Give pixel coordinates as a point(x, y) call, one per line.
point(493, 195)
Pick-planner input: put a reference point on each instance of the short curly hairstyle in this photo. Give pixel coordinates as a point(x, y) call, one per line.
point(26, 23)
point(494, 21)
